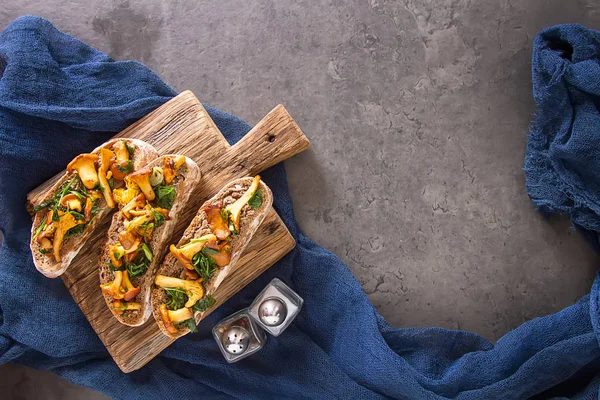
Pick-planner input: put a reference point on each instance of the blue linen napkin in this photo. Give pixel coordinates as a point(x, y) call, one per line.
point(59, 97)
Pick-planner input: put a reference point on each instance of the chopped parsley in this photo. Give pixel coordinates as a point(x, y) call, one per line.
point(129, 148)
point(76, 230)
point(125, 169)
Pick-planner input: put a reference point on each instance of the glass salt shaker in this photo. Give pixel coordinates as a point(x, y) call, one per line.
point(238, 336)
point(275, 307)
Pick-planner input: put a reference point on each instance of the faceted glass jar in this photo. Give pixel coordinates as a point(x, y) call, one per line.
point(238, 336)
point(275, 307)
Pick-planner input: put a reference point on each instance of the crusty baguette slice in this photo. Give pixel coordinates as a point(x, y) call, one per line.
point(249, 223)
point(143, 153)
point(185, 183)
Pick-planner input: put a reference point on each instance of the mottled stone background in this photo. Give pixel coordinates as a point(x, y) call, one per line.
point(417, 112)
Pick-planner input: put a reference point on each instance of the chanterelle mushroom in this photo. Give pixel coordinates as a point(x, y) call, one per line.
point(121, 151)
point(185, 254)
point(113, 288)
point(66, 222)
point(72, 202)
point(236, 208)
point(193, 289)
point(105, 162)
point(142, 179)
point(84, 165)
point(170, 167)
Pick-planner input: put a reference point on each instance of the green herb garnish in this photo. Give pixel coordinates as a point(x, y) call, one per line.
point(139, 266)
point(204, 303)
point(77, 215)
point(177, 298)
point(208, 251)
point(190, 324)
point(129, 148)
point(127, 168)
point(40, 207)
point(159, 218)
point(165, 196)
point(256, 199)
point(40, 229)
point(204, 265)
point(147, 251)
point(76, 230)
point(111, 183)
point(44, 251)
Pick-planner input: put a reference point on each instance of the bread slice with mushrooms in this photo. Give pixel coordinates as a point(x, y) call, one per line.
point(190, 274)
point(150, 204)
point(81, 201)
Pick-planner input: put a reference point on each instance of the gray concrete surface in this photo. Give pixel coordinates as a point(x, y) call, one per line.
point(417, 112)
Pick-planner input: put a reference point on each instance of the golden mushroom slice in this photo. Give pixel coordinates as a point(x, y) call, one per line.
point(84, 165)
point(66, 222)
point(193, 289)
point(106, 157)
point(235, 208)
point(142, 179)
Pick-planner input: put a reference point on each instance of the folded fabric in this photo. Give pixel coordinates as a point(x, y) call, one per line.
point(563, 150)
point(58, 98)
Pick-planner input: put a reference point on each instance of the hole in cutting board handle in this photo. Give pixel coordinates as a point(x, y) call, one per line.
point(271, 138)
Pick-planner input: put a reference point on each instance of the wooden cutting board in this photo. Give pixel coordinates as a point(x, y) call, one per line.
point(183, 126)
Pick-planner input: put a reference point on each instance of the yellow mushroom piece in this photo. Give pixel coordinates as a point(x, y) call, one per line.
point(72, 202)
point(183, 314)
point(113, 289)
point(84, 165)
point(185, 254)
point(193, 289)
point(66, 222)
point(142, 179)
point(236, 208)
point(106, 157)
point(121, 151)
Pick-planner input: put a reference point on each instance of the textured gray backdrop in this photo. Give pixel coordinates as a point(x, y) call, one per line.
point(417, 112)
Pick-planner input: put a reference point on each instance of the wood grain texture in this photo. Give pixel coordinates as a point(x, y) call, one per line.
point(183, 126)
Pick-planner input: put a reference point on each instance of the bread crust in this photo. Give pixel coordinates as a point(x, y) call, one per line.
point(143, 153)
point(251, 220)
point(186, 183)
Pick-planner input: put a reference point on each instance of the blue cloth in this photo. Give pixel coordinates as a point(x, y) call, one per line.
point(59, 97)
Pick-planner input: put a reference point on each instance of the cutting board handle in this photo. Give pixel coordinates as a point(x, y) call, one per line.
point(275, 138)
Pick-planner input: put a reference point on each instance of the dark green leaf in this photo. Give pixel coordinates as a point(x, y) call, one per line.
point(204, 303)
point(165, 196)
point(45, 204)
point(76, 230)
point(190, 324)
point(111, 183)
point(159, 218)
point(208, 251)
point(77, 215)
point(139, 266)
point(127, 168)
point(95, 209)
point(204, 265)
point(177, 298)
point(44, 251)
point(256, 199)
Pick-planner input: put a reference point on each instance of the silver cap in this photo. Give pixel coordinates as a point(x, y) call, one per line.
point(235, 340)
point(272, 311)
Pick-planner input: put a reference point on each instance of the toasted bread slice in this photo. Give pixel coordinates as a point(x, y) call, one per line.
point(185, 183)
point(250, 220)
point(45, 262)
